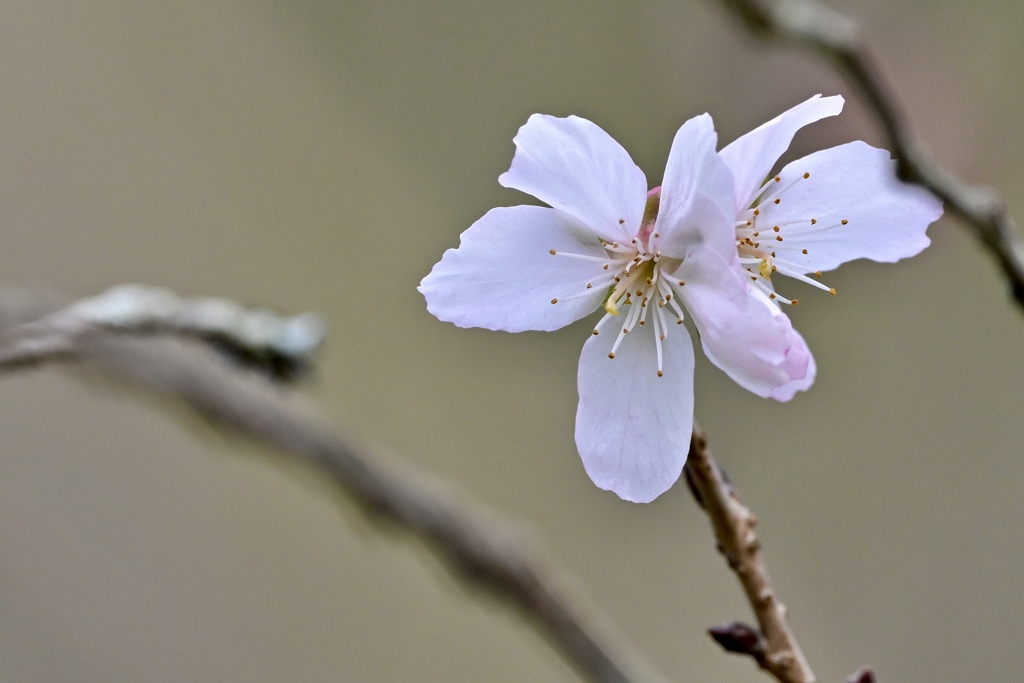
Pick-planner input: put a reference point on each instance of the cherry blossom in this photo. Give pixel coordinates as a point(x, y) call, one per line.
point(705, 244)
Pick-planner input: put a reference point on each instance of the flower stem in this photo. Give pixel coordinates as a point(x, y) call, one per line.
point(773, 645)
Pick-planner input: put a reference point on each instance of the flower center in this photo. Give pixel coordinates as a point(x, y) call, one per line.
point(640, 287)
point(764, 244)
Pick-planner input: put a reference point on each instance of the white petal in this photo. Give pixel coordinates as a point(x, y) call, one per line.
point(751, 157)
point(578, 168)
point(696, 208)
point(633, 427)
point(886, 218)
point(742, 332)
point(503, 276)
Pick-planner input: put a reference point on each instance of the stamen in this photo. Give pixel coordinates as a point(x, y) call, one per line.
point(794, 271)
point(777, 190)
point(657, 344)
point(602, 321)
point(587, 257)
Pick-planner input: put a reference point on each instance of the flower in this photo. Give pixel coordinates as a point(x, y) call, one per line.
point(706, 243)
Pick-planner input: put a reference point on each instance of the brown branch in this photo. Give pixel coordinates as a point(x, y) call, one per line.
point(485, 554)
point(773, 644)
point(836, 39)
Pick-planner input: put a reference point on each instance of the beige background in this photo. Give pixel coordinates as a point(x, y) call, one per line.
point(322, 155)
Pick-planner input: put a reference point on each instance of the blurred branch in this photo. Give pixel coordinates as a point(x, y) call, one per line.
point(836, 39)
point(160, 351)
point(773, 644)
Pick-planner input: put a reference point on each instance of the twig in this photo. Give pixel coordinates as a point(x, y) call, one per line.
point(487, 554)
point(817, 28)
point(773, 645)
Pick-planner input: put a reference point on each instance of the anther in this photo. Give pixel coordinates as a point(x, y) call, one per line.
point(552, 252)
point(832, 291)
point(814, 221)
point(611, 355)
point(660, 373)
point(664, 337)
point(756, 234)
point(778, 179)
point(817, 273)
point(621, 221)
point(844, 221)
point(776, 228)
point(771, 295)
point(596, 333)
point(682, 282)
point(641, 322)
point(590, 286)
point(657, 234)
point(795, 301)
point(605, 266)
point(679, 321)
point(757, 212)
point(778, 199)
point(778, 238)
point(806, 176)
point(554, 301)
point(803, 251)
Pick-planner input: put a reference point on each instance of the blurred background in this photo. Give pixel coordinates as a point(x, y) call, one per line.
point(314, 155)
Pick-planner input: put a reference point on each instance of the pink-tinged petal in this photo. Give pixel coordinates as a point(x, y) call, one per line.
point(787, 391)
point(742, 332)
point(696, 209)
point(751, 157)
point(633, 427)
point(860, 210)
point(576, 167)
point(504, 277)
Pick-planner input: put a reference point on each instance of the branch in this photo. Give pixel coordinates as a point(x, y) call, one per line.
point(836, 39)
point(168, 359)
point(773, 645)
